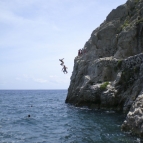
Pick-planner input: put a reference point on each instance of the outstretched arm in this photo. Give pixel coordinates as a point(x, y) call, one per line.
point(61, 60)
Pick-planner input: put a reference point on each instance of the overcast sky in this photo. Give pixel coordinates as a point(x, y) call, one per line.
point(35, 34)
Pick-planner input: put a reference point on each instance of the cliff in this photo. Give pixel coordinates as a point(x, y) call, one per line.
point(109, 72)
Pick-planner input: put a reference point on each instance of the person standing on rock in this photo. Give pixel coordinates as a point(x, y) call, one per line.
point(79, 52)
point(61, 60)
point(64, 69)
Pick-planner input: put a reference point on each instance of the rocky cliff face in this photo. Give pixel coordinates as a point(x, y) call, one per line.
point(109, 73)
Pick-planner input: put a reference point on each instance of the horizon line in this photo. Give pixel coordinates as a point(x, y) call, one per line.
point(33, 89)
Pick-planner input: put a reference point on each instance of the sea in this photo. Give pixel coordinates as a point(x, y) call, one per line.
point(42, 116)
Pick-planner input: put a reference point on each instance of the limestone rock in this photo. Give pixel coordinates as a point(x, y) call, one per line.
point(118, 13)
point(109, 75)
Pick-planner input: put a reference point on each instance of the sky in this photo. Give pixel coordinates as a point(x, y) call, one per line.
point(35, 34)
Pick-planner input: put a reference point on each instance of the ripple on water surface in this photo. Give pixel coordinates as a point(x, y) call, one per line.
point(53, 121)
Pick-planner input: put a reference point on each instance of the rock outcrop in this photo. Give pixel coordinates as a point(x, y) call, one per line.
point(109, 72)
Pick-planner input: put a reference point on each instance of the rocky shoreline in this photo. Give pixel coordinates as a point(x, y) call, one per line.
point(110, 74)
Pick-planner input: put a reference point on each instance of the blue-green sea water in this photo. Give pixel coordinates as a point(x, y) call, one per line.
point(53, 121)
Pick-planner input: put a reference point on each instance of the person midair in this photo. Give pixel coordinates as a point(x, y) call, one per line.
point(61, 60)
point(64, 69)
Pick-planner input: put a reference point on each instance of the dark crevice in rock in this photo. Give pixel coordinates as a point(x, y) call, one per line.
point(140, 37)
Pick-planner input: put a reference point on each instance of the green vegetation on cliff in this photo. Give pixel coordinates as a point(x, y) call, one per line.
point(104, 85)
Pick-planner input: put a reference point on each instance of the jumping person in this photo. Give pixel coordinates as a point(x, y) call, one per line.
point(64, 69)
point(61, 60)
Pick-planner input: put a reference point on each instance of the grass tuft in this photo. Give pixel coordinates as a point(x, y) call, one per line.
point(104, 85)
